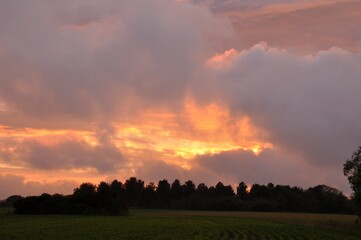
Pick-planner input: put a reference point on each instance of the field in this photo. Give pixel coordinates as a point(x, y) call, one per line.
point(181, 225)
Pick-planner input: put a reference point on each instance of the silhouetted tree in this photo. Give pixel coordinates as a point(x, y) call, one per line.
point(188, 188)
point(329, 200)
point(223, 191)
point(176, 190)
point(119, 203)
point(148, 197)
point(112, 199)
point(85, 192)
point(9, 202)
point(202, 190)
point(163, 193)
point(84, 198)
point(259, 191)
point(352, 169)
point(242, 191)
point(103, 197)
point(134, 188)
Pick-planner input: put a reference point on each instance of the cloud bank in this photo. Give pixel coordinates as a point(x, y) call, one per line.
point(178, 89)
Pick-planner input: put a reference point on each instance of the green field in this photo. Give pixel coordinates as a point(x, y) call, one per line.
point(181, 225)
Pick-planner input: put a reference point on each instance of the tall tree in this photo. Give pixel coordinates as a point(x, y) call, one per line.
point(119, 204)
point(223, 191)
point(202, 190)
point(103, 196)
point(84, 198)
point(176, 190)
point(148, 196)
point(189, 188)
point(163, 193)
point(352, 169)
point(134, 188)
point(259, 191)
point(242, 191)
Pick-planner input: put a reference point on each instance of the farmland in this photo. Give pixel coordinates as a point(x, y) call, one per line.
point(157, 224)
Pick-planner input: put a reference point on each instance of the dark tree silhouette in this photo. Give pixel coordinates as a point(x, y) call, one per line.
point(148, 197)
point(242, 191)
point(202, 190)
point(134, 188)
point(86, 199)
point(259, 191)
point(85, 192)
point(223, 191)
point(119, 202)
point(163, 193)
point(113, 199)
point(188, 188)
point(9, 202)
point(176, 190)
point(103, 197)
point(352, 169)
point(329, 200)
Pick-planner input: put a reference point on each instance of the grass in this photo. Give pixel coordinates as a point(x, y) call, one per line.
point(181, 225)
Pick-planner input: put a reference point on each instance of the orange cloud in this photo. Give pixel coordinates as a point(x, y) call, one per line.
point(223, 59)
point(160, 100)
point(153, 134)
point(200, 129)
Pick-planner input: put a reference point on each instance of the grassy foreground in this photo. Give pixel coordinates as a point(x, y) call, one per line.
point(181, 225)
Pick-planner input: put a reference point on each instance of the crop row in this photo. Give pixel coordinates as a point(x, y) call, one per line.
point(156, 225)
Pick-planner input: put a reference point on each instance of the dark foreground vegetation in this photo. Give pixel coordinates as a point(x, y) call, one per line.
point(116, 198)
point(177, 225)
point(86, 199)
point(352, 169)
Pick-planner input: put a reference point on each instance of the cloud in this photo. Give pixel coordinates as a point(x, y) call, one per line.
point(76, 61)
point(157, 170)
point(271, 165)
point(105, 67)
point(307, 104)
point(64, 153)
point(71, 155)
point(301, 26)
point(15, 185)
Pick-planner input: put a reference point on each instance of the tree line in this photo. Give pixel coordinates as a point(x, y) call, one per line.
point(188, 196)
point(117, 197)
point(87, 199)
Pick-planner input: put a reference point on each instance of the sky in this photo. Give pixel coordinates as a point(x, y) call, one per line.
point(208, 90)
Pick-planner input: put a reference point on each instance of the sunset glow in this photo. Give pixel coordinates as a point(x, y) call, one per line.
point(254, 91)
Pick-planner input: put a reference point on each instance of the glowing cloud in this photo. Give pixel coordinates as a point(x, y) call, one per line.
point(222, 60)
point(203, 90)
